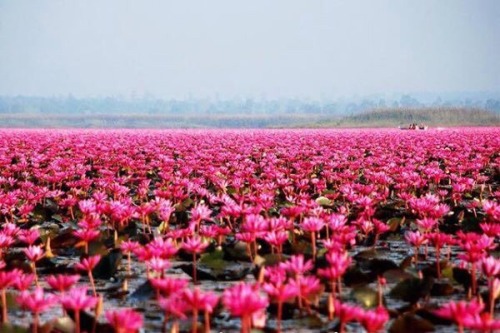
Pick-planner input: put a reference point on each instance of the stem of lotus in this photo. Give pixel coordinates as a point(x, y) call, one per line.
point(77, 321)
point(92, 284)
point(207, 321)
point(473, 278)
point(194, 327)
point(313, 241)
point(299, 293)
point(129, 264)
point(342, 327)
point(33, 268)
point(492, 299)
point(331, 307)
point(379, 294)
point(5, 315)
point(438, 265)
point(333, 285)
point(35, 322)
point(280, 314)
point(165, 322)
point(175, 327)
point(375, 241)
point(194, 268)
point(249, 250)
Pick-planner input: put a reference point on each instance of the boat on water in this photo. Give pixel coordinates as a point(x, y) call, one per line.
point(414, 127)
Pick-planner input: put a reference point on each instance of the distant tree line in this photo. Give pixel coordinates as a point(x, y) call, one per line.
point(210, 107)
point(25, 111)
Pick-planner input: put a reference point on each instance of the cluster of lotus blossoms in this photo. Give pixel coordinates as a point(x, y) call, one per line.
point(307, 206)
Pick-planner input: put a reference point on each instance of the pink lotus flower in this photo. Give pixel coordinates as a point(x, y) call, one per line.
point(36, 303)
point(297, 265)
point(23, 281)
point(482, 322)
point(128, 247)
point(62, 283)
point(29, 236)
point(243, 301)
point(7, 279)
point(281, 292)
point(460, 311)
point(347, 313)
point(276, 238)
point(200, 301)
point(194, 246)
point(312, 225)
point(374, 320)
point(338, 264)
point(86, 235)
point(173, 305)
point(167, 286)
point(415, 239)
point(88, 264)
point(34, 253)
point(76, 300)
point(124, 320)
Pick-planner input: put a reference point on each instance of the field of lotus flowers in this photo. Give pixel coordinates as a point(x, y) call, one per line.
point(264, 231)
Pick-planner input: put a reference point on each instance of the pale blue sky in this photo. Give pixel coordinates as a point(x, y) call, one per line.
point(272, 48)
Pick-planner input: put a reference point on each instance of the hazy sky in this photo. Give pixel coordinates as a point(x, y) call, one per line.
point(272, 48)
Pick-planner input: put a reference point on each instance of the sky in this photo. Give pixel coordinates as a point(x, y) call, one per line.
point(258, 48)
